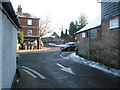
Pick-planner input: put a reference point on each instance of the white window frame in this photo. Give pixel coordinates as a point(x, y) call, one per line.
point(29, 22)
point(114, 23)
point(83, 35)
point(28, 32)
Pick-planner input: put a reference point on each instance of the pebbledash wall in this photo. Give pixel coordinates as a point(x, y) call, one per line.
point(9, 37)
point(105, 47)
point(8, 34)
point(0, 47)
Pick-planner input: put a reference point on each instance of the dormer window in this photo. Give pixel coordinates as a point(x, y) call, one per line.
point(29, 22)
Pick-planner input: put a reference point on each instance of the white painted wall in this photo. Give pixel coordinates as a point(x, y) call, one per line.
point(0, 48)
point(9, 37)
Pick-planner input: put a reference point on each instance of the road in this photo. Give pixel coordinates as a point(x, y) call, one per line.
point(49, 69)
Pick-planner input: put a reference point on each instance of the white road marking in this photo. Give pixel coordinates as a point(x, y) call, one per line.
point(64, 57)
point(29, 73)
point(60, 65)
point(69, 70)
point(41, 76)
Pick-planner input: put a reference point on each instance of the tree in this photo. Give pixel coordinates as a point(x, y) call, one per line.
point(20, 37)
point(82, 21)
point(44, 26)
point(66, 32)
point(62, 35)
point(72, 29)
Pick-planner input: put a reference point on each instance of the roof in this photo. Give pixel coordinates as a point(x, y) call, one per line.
point(10, 13)
point(26, 15)
point(21, 14)
point(48, 35)
point(92, 24)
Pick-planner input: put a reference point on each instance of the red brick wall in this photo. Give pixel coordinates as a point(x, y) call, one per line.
point(23, 22)
point(34, 31)
point(33, 27)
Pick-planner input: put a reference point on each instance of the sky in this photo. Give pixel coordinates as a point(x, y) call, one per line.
point(62, 12)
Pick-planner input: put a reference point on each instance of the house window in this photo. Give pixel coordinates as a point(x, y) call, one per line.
point(29, 22)
point(93, 33)
point(29, 32)
point(83, 35)
point(114, 23)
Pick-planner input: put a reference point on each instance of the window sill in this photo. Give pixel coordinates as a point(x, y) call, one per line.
point(113, 28)
point(83, 37)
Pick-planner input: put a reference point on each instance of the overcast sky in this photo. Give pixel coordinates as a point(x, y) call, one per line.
point(62, 12)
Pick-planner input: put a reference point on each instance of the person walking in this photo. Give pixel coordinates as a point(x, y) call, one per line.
point(31, 45)
point(28, 45)
point(41, 45)
point(35, 44)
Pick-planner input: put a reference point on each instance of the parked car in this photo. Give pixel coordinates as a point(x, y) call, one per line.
point(68, 46)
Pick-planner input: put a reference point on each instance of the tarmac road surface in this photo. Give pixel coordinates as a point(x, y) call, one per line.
point(49, 69)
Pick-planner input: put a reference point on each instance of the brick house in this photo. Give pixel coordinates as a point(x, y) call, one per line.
point(52, 37)
point(99, 40)
point(29, 25)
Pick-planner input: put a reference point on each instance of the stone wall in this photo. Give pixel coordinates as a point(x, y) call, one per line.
point(83, 49)
point(109, 44)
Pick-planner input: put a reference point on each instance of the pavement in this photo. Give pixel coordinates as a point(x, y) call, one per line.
point(37, 50)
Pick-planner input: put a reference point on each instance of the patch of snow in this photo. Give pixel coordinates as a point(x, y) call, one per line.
point(64, 57)
point(48, 35)
point(93, 64)
point(51, 44)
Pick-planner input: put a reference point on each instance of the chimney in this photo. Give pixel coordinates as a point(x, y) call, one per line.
point(19, 9)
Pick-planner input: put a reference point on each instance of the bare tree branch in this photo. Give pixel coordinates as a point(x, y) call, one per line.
point(44, 26)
